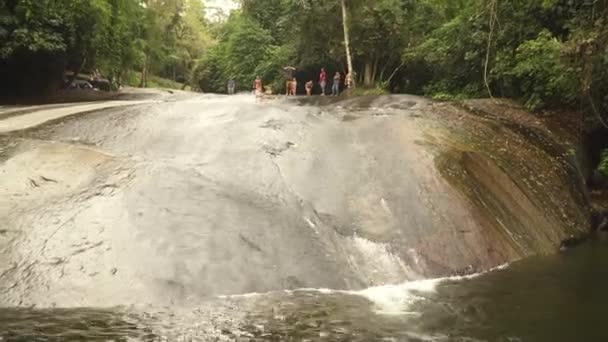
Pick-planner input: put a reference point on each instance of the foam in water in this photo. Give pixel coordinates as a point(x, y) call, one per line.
point(397, 299)
point(387, 299)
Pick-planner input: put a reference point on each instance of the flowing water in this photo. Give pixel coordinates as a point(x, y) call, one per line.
point(551, 298)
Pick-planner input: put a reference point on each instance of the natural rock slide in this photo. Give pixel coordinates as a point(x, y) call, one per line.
point(172, 202)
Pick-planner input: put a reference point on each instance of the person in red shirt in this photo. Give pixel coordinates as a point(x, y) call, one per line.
point(322, 81)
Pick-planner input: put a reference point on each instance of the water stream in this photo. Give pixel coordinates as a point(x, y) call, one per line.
point(549, 298)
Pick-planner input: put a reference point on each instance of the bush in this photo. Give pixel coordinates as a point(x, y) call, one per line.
point(131, 78)
point(159, 82)
point(603, 166)
point(366, 91)
point(241, 55)
point(544, 77)
point(209, 75)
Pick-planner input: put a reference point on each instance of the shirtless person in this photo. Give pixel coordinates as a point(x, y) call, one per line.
point(258, 86)
point(309, 86)
point(289, 71)
point(349, 80)
point(294, 86)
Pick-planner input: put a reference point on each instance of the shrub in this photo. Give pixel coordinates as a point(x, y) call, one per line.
point(603, 166)
point(544, 77)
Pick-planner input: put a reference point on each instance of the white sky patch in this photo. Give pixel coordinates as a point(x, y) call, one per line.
point(215, 6)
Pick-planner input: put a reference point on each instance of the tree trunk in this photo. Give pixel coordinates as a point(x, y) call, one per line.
point(375, 70)
point(77, 71)
point(367, 73)
point(381, 78)
point(349, 60)
point(143, 83)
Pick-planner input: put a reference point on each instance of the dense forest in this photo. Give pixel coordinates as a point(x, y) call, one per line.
point(547, 53)
point(126, 40)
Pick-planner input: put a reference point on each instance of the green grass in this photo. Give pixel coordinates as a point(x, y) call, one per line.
point(360, 91)
point(159, 82)
point(133, 78)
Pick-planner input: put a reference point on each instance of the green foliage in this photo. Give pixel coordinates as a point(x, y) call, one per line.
point(131, 78)
point(377, 31)
point(548, 53)
point(361, 91)
point(271, 68)
point(163, 37)
point(603, 166)
point(454, 53)
point(245, 52)
point(33, 26)
point(209, 74)
point(545, 78)
point(159, 82)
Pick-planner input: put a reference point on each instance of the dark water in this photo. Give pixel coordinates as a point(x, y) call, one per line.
point(554, 298)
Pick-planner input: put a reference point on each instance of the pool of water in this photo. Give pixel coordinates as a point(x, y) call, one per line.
point(551, 298)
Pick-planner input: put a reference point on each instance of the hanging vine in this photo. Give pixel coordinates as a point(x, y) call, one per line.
point(493, 19)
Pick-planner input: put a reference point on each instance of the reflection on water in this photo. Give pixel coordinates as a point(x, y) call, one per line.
point(553, 298)
point(63, 324)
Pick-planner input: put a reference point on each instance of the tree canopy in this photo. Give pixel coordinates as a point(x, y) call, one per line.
point(40, 39)
point(548, 53)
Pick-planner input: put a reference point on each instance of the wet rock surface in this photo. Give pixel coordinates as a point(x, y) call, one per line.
point(174, 202)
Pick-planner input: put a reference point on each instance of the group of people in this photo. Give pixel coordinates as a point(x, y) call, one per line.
point(258, 87)
point(335, 87)
point(292, 83)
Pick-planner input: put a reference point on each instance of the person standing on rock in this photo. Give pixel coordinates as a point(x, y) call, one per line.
point(308, 87)
point(349, 80)
point(322, 81)
point(335, 88)
point(231, 86)
point(258, 87)
point(294, 86)
point(289, 71)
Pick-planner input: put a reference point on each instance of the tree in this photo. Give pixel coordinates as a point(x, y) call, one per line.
point(245, 46)
point(349, 59)
point(378, 31)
